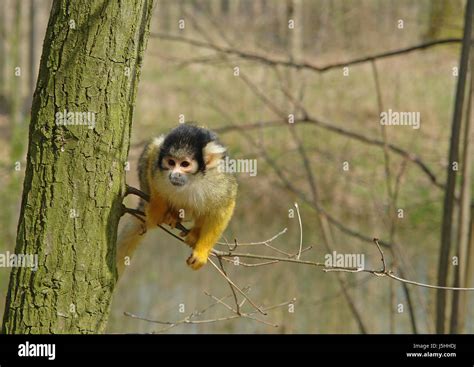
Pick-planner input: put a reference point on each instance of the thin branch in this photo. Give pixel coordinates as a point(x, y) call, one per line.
point(237, 288)
point(376, 241)
point(223, 303)
point(379, 273)
point(237, 310)
point(268, 60)
point(240, 314)
point(188, 319)
point(135, 212)
point(129, 190)
point(253, 265)
point(424, 285)
point(342, 131)
point(283, 231)
point(175, 323)
point(301, 231)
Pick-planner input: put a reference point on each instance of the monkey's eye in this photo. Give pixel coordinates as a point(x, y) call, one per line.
point(171, 162)
point(185, 164)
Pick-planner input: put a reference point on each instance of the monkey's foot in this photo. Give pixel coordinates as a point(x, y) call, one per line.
point(197, 260)
point(171, 219)
point(143, 229)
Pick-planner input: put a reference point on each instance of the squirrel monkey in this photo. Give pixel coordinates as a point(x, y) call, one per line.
point(181, 174)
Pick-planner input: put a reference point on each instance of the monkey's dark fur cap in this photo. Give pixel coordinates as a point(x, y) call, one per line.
point(189, 138)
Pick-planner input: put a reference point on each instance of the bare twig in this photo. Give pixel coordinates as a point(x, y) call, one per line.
point(240, 244)
point(380, 273)
point(310, 120)
point(237, 310)
point(135, 212)
point(129, 190)
point(236, 287)
point(376, 241)
point(268, 60)
point(190, 319)
point(301, 231)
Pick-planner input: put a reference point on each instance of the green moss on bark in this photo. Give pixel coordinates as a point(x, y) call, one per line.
point(74, 176)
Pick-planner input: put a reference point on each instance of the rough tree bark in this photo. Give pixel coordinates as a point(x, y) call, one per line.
point(74, 177)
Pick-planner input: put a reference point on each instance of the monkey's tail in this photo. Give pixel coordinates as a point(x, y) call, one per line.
point(129, 238)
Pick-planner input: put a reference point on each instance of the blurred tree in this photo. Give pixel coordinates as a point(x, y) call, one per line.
point(164, 15)
point(447, 228)
point(445, 19)
point(233, 7)
point(462, 272)
point(224, 6)
point(32, 46)
point(16, 92)
point(2, 52)
point(74, 177)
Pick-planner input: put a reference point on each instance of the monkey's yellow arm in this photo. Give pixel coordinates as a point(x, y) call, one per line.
point(206, 232)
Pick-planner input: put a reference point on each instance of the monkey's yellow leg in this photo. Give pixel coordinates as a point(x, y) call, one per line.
point(210, 229)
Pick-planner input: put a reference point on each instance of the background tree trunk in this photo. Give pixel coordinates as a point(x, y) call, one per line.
point(448, 208)
point(459, 301)
point(3, 31)
point(32, 50)
point(17, 71)
point(74, 177)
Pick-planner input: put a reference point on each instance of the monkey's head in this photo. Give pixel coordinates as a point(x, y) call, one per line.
point(188, 152)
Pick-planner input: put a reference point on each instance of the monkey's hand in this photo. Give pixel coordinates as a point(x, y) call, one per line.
point(197, 259)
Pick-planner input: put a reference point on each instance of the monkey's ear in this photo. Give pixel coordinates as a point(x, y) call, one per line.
point(158, 141)
point(213, 152)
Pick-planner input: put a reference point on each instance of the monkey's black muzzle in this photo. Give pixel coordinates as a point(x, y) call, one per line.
point(177, 179)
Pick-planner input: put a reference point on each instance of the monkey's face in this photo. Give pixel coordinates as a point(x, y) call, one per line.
point(179, 169)
point(187, 155)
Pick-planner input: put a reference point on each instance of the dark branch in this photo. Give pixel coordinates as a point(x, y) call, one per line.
point(301, 65)
point(351, 134)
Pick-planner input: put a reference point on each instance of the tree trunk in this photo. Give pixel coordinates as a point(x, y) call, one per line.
point(164, 16)
point(32, 49)
point(3, 35)
point(458, 308)
point(74, 177)
point(446, 230)
point(17, 71)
